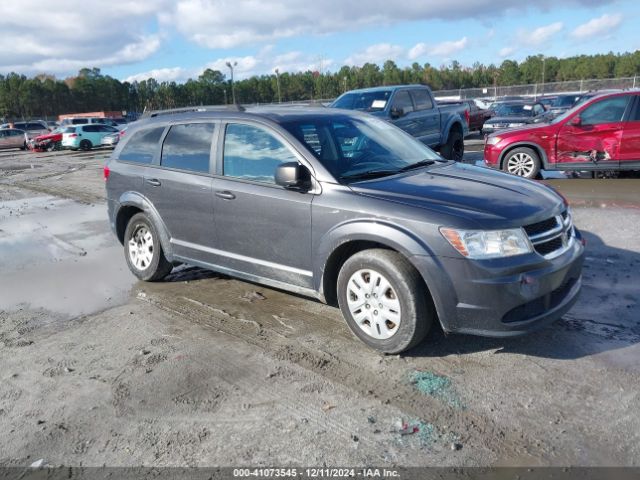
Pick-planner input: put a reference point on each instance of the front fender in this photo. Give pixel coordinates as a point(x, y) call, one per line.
point(389, 235)
point(529, 144)
point(135, 199)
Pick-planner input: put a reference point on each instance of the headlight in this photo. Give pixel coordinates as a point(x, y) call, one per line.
point(493, 140)
point(483, 244)
point(512, 125)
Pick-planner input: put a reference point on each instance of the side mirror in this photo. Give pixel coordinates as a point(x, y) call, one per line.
point(396, 112)
point(292, 175)
point(576, 121)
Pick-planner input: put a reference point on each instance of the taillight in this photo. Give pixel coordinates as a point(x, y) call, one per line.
point(73, 135)
point(106, 172)
point(466, 116)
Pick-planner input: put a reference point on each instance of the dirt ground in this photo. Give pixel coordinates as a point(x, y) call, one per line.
point(203, 370)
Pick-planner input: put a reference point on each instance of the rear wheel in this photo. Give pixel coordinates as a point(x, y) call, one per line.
point(86, 145)
point(143, 251)
point(454, 148)
point(523, 162)
point(384, 301)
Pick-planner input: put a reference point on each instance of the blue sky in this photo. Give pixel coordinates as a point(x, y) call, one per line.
point(178, 39)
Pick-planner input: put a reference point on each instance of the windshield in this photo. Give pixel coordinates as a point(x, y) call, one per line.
point(351, 148)
point(365, 101)
point(515, 110)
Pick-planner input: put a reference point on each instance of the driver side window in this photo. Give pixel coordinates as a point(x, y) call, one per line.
point(253, 154)
point(609, 110)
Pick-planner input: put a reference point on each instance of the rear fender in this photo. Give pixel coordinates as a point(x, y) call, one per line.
point(134, 199)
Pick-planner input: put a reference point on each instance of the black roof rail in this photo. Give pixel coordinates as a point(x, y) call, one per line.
point(201, 108)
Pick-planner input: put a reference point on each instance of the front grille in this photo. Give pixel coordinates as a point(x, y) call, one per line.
point(541, 227)
point(548, 247)
point(551, 236)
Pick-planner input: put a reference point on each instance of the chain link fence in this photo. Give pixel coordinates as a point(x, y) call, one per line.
point(538, 89)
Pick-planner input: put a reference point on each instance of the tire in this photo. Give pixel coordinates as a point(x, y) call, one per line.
point(454, 148)
point(522, 161)
point(86, 145)
point(406, 313)
point(143, 251)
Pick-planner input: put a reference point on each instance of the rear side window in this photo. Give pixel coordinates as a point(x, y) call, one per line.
point(252, 153)
point(422, 99)
point(402, 101)
point(188, 147)
point(91, 128)
point(79, 121)
point(142, 146)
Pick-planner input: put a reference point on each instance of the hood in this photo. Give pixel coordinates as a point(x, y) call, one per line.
point(490, 198)
point(510, 119)
point(48, 136)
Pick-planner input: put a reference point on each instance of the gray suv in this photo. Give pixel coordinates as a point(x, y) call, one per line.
point(344, 207)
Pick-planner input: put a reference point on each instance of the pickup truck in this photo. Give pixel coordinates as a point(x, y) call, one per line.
point(413, 109)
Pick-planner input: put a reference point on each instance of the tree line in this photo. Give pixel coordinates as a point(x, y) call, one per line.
point(44, 96)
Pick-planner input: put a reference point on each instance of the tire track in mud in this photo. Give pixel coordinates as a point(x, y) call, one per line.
point(314, 337)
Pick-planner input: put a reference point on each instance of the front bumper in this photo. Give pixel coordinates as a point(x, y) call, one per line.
point(492, 155)
point(503, 297)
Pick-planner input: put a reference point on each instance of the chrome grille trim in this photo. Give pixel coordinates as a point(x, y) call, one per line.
point(563, 231)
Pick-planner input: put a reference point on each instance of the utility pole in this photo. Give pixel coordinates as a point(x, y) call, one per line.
point(233, 90)
point(344, 79)
point(278, 84)
point(542, 86)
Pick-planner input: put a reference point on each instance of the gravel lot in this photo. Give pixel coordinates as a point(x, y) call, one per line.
point(203, 370)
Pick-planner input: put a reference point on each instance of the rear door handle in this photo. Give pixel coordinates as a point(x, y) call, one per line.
point(226, 195)
point(154, 181)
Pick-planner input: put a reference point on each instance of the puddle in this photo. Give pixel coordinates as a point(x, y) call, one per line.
point(61, 256)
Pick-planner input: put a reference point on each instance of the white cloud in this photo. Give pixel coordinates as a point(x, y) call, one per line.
point(231, 23)
point(506, 51)
point(597, 27)
point(443, 49)
point(375, 54)
point(175, 74)
point(73, 34)
point(263, 63)
point(540, 35)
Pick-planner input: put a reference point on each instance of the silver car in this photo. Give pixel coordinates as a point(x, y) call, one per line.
point(32, 129)
point(13, 138)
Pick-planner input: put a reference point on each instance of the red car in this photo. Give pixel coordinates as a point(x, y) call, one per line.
point(600, 133)
point(47, 142)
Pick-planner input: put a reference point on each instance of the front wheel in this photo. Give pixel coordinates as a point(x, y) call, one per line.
point(523, 162)
point(384, 301)
point(143, 251)
point(454, 148)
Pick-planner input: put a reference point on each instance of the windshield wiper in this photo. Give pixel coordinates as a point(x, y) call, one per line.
point(421, 163)
point(370, 174)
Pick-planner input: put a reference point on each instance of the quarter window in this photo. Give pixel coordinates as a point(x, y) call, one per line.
point(188, 147)
point(252, 153)
point(609, 110)
point(142, 146)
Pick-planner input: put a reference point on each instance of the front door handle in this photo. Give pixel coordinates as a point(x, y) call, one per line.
point(154, 181)
point(226, 195)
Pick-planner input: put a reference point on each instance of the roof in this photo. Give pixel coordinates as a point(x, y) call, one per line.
point(386, 87)
point(277, 114)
